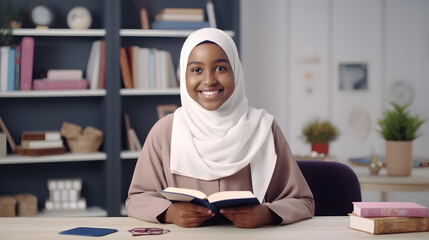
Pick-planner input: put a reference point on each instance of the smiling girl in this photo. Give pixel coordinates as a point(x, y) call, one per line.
point(217, 142)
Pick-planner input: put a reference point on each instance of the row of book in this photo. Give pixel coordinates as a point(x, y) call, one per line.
point(16, 70)
point(180, 18)
point(389, 217)
point(37, 143)
point(147, 68)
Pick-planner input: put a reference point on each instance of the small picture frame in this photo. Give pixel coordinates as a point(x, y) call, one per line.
point(164, 110)
point(353, 76)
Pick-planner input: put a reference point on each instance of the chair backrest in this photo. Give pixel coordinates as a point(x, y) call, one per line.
point(334, 185)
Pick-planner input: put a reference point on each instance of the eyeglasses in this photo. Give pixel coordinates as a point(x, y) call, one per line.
point(148, 231)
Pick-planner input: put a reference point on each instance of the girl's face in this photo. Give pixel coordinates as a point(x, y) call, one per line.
point(209, 76)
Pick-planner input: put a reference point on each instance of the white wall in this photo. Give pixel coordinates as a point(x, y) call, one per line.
point(291, 50)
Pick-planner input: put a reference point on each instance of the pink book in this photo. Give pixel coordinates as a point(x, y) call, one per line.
point(27, 52)
point(44, 84)
point(390, 209)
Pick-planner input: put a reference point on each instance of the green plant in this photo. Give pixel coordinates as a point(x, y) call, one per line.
point(318, 131)
point(399, 125)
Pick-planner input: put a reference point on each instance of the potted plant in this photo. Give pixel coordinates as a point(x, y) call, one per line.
point(399, 128)
point(319, 133)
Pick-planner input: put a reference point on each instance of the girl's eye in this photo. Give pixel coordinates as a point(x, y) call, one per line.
point(220, 68)
point(196, 70)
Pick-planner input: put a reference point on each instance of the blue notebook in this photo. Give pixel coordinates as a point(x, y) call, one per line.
point(89, 231)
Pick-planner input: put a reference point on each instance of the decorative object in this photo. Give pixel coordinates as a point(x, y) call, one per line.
point(79, 18)
point(81, 141)
point(65, 194)
point(319, 133)
point(375, 165)
point(41, 15)
point(7, 206)
point(353, 76)
point(164, 110)
point(26, 204)
point(401, 92)
point(399, 128)
point(359, 123)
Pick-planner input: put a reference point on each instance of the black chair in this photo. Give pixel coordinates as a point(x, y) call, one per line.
point(334, 185)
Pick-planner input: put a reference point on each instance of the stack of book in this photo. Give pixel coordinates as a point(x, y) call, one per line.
point(146, 68)
point(389, 217)
point(180, 18)
point(60, 79)
point(37, 143)
point(64, 194)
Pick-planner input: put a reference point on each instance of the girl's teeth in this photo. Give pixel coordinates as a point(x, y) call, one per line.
point(209, 92)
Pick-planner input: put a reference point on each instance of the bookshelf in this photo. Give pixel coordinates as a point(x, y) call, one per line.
point(105, 174)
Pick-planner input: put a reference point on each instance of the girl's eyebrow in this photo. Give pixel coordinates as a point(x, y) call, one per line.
point(215, 61)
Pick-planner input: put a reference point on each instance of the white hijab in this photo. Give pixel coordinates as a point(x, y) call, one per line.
point(210, 145)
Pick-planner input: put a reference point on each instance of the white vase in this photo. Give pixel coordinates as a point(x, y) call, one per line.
point(399, 158)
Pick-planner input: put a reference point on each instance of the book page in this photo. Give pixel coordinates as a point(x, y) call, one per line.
point(219, 196)
point(172, 191)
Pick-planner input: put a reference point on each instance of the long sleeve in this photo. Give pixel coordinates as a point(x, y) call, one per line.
point(288, 194)
point(143, 200)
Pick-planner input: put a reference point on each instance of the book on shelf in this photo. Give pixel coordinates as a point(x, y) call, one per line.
point(4, 58)
point(102, 77)
point(390, 209)
point(53, 84)
point(40, 135)
point(64, 74)
point(9, 138)
point(17, 67)
point(127, 135)
point(40, 151)
point(386, 225)
point(11, 70)
point(134, 139)
point(180, 14)
point(179, 25)
point(144, 19)
point(93, 68)
point(211, 14)
point(33, 144)
point(125, 68)
point(215, 201)
point(27, 54)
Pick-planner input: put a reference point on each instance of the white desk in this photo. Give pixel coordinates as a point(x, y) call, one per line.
point(315, 228)
point(417, 182)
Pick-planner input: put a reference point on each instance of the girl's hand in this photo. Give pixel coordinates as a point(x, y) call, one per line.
point(187, 215)
point(250, 216)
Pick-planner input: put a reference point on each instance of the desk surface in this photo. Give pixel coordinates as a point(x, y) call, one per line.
point(315, 228)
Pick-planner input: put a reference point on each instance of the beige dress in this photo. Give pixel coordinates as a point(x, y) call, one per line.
point(288, 194)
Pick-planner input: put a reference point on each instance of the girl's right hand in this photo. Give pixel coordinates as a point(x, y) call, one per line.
point(187, 215)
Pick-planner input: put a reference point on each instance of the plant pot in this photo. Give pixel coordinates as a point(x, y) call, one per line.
point(320, 148)
point(399, 158)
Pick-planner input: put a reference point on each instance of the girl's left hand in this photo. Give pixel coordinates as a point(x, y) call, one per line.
point(250, 216)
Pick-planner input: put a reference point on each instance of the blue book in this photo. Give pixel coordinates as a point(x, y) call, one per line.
point(89, 231)
point(179, 25)
point(11, 70)
point(214, 202)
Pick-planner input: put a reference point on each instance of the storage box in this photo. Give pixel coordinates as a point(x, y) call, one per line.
point(7, 206)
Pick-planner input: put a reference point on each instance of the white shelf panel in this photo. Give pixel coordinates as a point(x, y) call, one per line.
point(130, 154)
point(92, 211)
point(67, 157)
point(59, 32)
point(159, 33)
point(134, 91)
point(53, 93)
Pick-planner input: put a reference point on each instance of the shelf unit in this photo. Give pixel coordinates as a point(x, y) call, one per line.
point(106, 174)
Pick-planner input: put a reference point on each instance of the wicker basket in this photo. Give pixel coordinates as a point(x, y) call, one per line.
point(82, 142)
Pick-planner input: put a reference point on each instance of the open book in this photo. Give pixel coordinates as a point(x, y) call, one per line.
point(214, 202)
